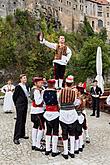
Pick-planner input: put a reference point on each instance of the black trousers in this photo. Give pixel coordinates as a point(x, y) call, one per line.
point(53, 127)
point(68, 129)
point(21, 112)
point(95, 105)
point(79, 130)
point(59, 71)
point(38, 121)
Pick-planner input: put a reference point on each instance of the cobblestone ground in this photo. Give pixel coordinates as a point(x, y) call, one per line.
point(95, 153)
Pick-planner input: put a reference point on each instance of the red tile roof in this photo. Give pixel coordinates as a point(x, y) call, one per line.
point(103, 2)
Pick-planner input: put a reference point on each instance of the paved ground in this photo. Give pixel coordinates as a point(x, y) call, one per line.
point(95, 153)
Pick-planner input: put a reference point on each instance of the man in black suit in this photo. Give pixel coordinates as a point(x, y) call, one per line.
point(95, 93)
point(20, 98)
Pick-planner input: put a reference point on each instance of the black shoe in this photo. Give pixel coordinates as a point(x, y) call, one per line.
point(65, 156)
point(15, 118)
point(25, 137)
point(76, 152)
point(83, 146)
point(92, 115)
point(97, 116)
point(55, 154)
point(71, 155)
point(87, 140)
point(16, 141)
point(81, 149)
point(33, 147)
point(47, 152)
point(109, 123)
point(40, 149)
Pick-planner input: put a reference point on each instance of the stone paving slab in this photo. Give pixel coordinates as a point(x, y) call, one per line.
point(95, 153)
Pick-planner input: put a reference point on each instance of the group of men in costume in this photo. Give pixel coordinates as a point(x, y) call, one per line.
point(59, 107)
point(54, 106)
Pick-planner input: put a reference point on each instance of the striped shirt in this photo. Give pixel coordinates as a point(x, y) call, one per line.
point(67, 98)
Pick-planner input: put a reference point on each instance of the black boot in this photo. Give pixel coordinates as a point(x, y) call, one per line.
point(48, 152)
point(76, 152)
point(55, 154)
point(65, 156)
point(81, 149)
point(71, 155)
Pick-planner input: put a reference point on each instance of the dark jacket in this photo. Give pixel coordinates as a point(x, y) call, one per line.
point(19, 96)
point(97, 91)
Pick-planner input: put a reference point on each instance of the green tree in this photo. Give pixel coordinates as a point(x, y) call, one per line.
point(88, 58)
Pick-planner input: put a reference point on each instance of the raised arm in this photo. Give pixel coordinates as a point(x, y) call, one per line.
point(49, 44)
point(69, 53)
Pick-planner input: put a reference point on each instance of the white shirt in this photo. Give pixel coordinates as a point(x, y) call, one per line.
point(64, 60)
point(38, 97)
point(51, 115)
point(68, 116)
point(23, 86)
point(7, 87)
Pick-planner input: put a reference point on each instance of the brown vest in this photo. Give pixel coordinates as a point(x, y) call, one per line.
point(60, 50)
point(67, 96)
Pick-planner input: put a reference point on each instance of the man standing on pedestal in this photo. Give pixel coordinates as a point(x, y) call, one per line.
point(61, 58)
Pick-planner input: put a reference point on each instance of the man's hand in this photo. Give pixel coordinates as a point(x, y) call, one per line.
point(40, 36)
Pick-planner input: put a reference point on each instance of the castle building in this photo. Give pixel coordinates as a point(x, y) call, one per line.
point(70, 12)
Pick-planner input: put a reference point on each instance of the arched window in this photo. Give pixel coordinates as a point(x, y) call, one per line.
point(100, 23)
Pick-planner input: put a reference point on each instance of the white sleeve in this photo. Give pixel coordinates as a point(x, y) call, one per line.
point(49, 44)
point(81, 119)
point(38, 97)
point(3, 89)
point(69, 53)
point(108, 100)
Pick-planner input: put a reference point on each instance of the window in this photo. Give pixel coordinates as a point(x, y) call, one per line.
point(69, 3)
point(100, 23)
point(3, 5)
point(107, 23)
point(107, 14)
point(86, 9)
point(99, 8)
point(100, 14)
point(93, 24)
point(107, 8)
point(14, 3)
point(60, 9)
point(80, 7)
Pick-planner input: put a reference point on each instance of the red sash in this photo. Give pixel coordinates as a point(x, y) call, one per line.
point(35, 105)
point(52, 108)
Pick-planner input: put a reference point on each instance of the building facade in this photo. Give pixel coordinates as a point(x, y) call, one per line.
point(70, 12)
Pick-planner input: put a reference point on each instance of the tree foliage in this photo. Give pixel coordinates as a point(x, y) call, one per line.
point(20, 51)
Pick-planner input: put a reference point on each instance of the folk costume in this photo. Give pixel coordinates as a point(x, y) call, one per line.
point(52, 118)
point(95, 93)
point(20, 98)
point(8, 104)
point(37, 111)
point(79, 142)
point(68, 117)
point(61, 58)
